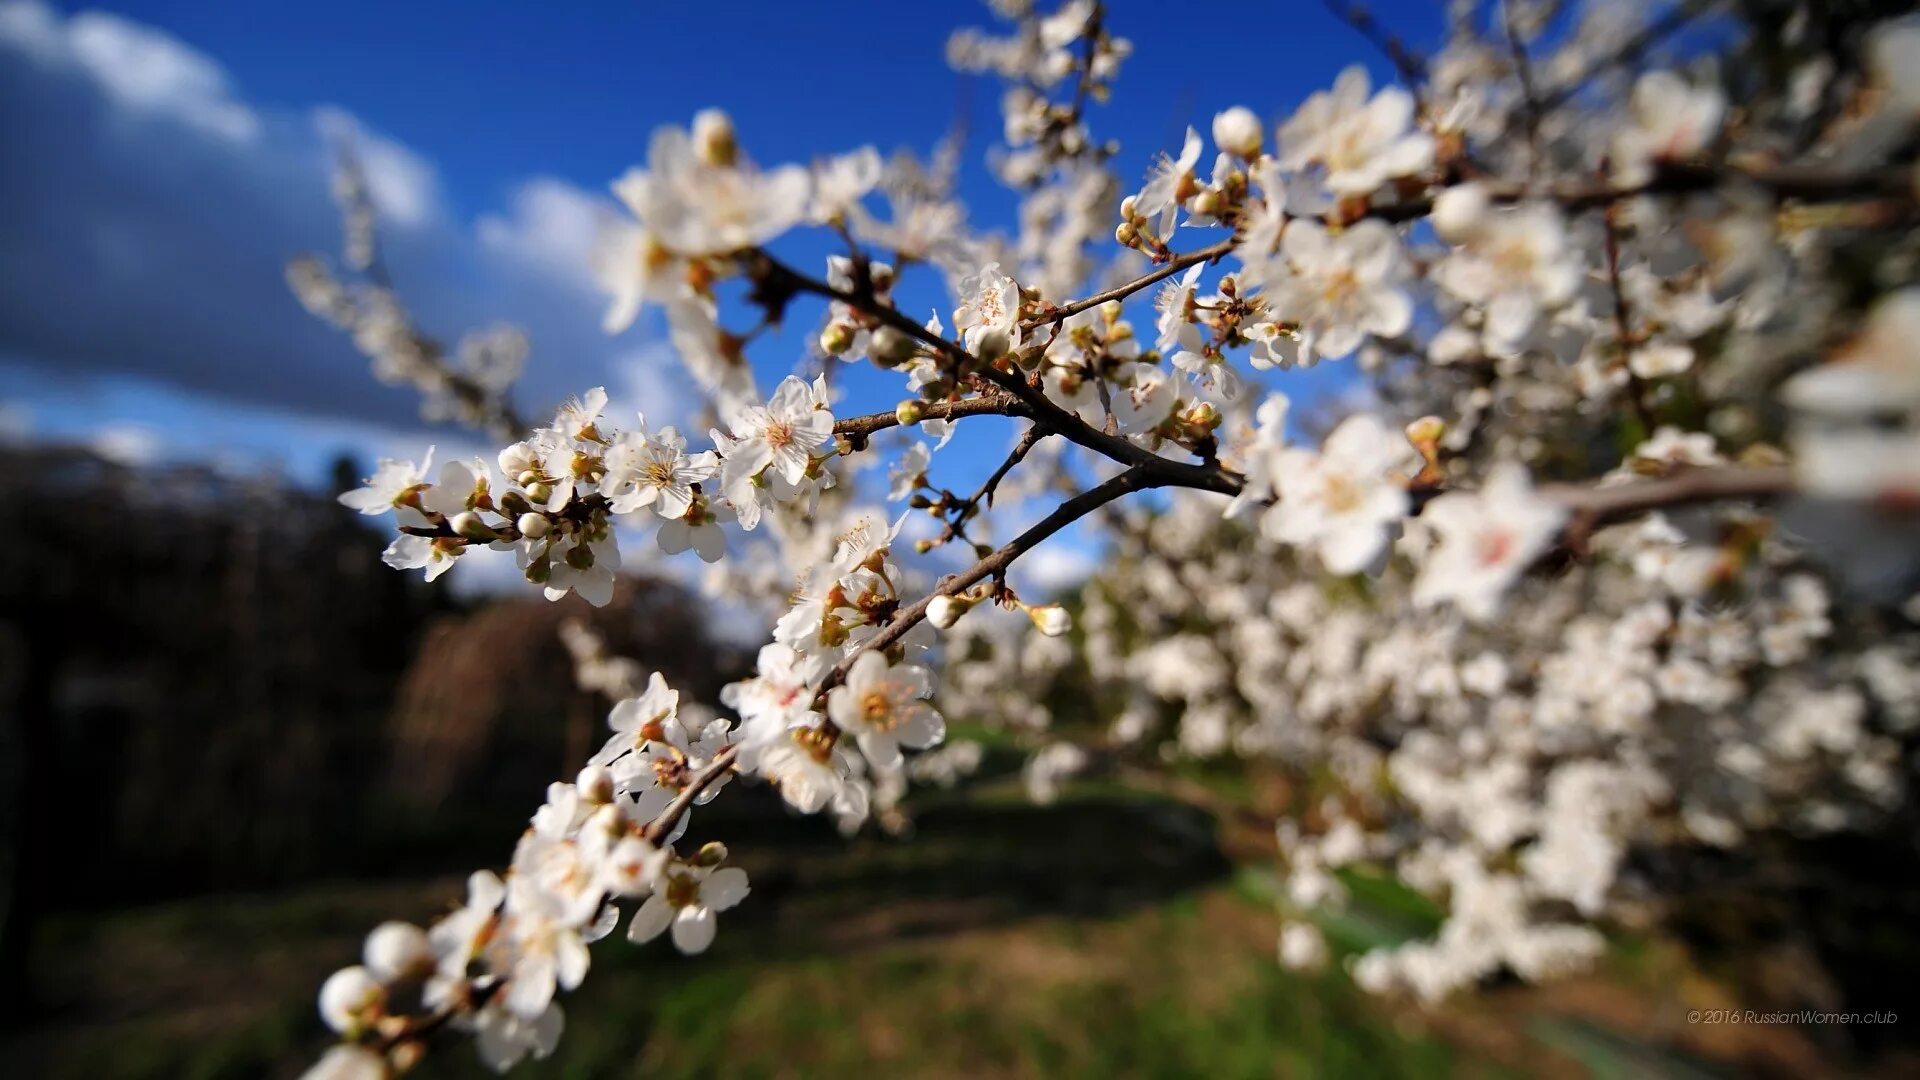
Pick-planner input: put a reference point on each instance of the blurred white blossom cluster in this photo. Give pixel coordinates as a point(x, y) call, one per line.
point(1602, 552)
point(1668, 694)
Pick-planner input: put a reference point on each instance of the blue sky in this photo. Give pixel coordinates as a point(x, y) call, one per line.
point(165, 160)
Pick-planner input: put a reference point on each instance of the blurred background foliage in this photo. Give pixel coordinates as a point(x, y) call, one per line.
point(273, 709)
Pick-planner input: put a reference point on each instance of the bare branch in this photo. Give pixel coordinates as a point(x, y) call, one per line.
point(858, 429)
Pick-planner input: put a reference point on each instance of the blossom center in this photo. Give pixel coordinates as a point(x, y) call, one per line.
point(1494, 547)
point(877, 707)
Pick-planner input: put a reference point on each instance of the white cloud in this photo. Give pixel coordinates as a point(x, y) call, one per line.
point(1052, 568)
point(144, 69)
point(150, 210)
point(552, 224)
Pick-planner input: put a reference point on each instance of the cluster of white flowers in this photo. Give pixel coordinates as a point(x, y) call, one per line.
point(1538, 602)
point(557, 494)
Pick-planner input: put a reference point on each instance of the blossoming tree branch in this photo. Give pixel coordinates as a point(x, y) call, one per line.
point(1544, 593)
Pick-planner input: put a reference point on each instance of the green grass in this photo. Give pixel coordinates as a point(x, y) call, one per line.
point(1101, 937)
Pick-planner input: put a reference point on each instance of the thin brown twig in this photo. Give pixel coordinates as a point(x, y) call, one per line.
point(969, 506)
point(1068, 512)
point(858, 429)
point(1412, 68)
point(1121, 292)
point(1623, 320)
point(1675, 19)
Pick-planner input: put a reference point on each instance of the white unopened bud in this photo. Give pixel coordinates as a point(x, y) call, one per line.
point(534, 526)
point(944, 611)
point(713, 138)
point(1050, 619)
point(349, 998)
point(595, 783)
point(1459, 211)
point(1237, 131)
point(397, 950)
point(992, 344)
point(890, 345)
point(471, 525)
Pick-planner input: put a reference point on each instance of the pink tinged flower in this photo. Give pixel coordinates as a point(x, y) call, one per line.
point(1486, 539)
point(884, 708)
point(686, 903)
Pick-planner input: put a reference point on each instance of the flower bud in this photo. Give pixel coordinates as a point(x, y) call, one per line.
point(1205, 415)
point(470, 525)
point(713, 138)
point(836, 339)
point(1459, 211)
point(528, 478)
point(1426, 430)
point(923, 545)
point(1127, 235)
point(1050, 619)
point(712, 853)
point(349, 998)
point(944, 611)
point(1207, 203)
point(909, 413)
point(1127, 206)
point(533, 526)
point(993, 344)
point(1237, 131)
point(891, 345)
point(540, 491)
point(397, 950)
point(595, 783)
